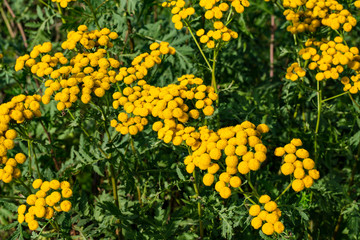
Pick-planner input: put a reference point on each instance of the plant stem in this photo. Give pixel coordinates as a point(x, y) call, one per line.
point(196, 188)
point(197, 44)
point(251, 186)
point(213, 79)
point(336, 96)
point(246, 196)
point(36, 161)
point(352, 99)
point(82, 128)
point(319, 105)
point(29, 156)
point(287, 188)
point(11, 197)
point(60, 12)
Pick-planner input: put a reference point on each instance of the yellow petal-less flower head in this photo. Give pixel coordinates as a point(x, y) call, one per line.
point(20, 158)
point(302, 153)
point(256, 222)
point(243, 167)
point(66, 192)
point(268, 228)
point(31, 199)
point(296, 142)
point(308, 163)
point(272, 218)
point(49, 213)
point(54, 184)
point(298, 185)
point(308, 181)
point(290, 148)
point(64, 184)
point(279, 152)
point(235, 182)
point(314, 174)
point(208, 179)
point(33, 225)
point(287, 168)
point(262, 128)
point(254, 210)
point(22, 209)
point(65, 205)
point(279, 227)
point(225, 192)
point(264, 199)
point(270, 206)
point(37, 183)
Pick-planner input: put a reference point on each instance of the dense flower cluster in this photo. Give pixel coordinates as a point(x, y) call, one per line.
point(296, 161)
point(311, 15)
point(63, 3)
point(329, 59)
point(214, 12)
point(269, 213)
point(50, 196)
point(179, 10)
point(10, 170)
point(19, 109)
point(90, 71)
point(241, 145)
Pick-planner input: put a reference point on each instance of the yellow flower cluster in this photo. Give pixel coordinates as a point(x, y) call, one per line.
point(269, 213)
point(86, 73)
point(296, 161)
point(63, 3)
point(294, 72)
point(214, 10)
point(180, 12)
point(310, 15)
point(221, 32)
point(143, 62)
point(10, 170)
point(40, 69)
point(43, 203)
point(241, 144)
point(329, 59)
point(89, 39)
point(18, 109)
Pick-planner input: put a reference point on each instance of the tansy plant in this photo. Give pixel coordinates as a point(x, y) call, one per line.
point(125, 106)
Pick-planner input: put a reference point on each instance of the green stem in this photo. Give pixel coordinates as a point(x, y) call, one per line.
point(197, 44)
point(213, 79)
point(29, 156)
point(36, 160)
point(8, 26)
point(82, 128)
point(287, 188)
point(336, 96)
point(196, 188)
point(246, 196)
point(60, 12)
point(11, 197)
point(251, 185)
point(352, 99)
point(115, 195)
point(104, 118)
point(319, 105)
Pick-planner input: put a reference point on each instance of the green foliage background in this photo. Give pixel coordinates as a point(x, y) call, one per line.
point(156, 193)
